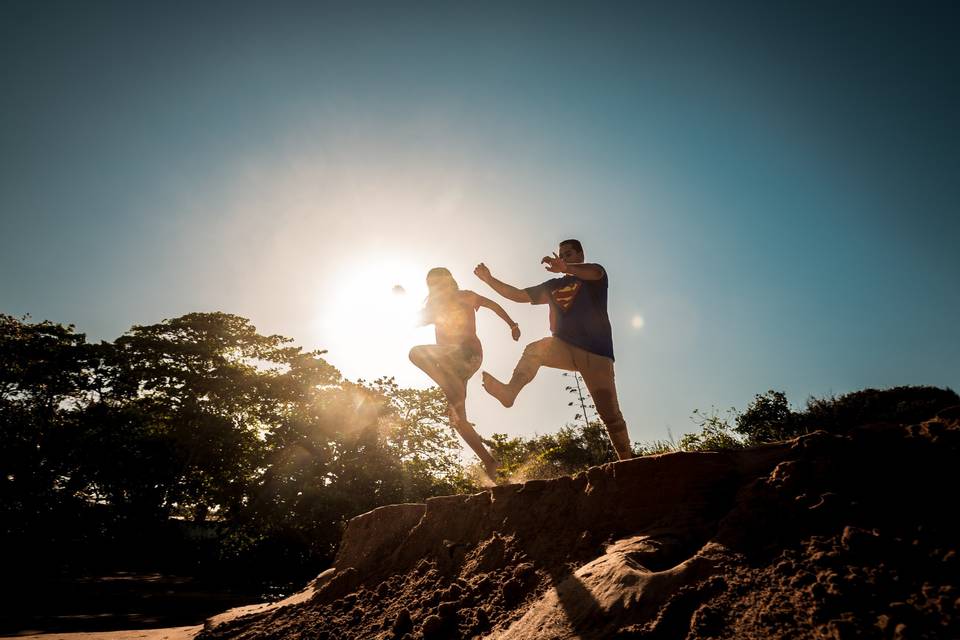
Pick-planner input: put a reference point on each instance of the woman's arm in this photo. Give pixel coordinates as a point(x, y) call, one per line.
point(424, 317)
point(497, 309)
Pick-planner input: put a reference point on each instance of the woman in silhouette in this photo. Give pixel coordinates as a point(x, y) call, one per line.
point(457, 355)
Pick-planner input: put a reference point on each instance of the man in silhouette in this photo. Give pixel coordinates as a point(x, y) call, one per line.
point(582, 340)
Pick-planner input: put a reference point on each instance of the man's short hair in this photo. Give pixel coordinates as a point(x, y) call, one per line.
point(573, 243)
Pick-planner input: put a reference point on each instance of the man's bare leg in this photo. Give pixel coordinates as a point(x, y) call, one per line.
point(548, 352)
point(598, 375)
point(498, 390)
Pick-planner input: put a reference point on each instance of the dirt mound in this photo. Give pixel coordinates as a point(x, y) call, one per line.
point(831, 535)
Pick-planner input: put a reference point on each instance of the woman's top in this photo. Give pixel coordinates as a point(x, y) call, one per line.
point(455, 321)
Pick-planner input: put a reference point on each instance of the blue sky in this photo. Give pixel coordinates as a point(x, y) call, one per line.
point(773, 190)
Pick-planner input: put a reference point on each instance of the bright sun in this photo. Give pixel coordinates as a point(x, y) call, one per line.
point(366, 317)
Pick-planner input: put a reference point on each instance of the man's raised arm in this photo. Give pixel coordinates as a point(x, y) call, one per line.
point(507, 291)
point(582, 270)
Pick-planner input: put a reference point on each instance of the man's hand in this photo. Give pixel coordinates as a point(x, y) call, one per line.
point(507, 291)
point(515, 332)
point(555, 264)
point(482, 272)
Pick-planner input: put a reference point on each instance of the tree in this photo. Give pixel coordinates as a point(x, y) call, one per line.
point(905, 404)
point(417, 428)
point(573, 448)
point(215, 389)
point(766, 419)
point(43, 369)
point(352, 448)
point(263, 446)
point(716, 433)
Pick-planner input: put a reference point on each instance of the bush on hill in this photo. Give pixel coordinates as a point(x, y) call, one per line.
point(768, 418)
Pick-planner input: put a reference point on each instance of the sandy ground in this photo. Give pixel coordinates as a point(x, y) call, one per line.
point(172, 633)
point(827, 536)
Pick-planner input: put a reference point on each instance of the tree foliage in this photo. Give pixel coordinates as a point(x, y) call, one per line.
point(199, 438)
point(244, 439)
point(769, 418)
point(571, 449)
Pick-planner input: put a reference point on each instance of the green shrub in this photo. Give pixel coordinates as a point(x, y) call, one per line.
point(768, 418)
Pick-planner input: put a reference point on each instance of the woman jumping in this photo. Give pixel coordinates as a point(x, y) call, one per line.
point(458, 354)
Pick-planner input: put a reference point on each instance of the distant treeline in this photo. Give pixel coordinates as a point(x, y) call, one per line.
point(769, 418)
point(199, 445)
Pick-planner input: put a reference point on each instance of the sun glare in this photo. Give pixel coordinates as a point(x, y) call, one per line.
point(366, 316)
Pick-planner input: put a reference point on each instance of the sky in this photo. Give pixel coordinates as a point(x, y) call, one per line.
point(773, 190)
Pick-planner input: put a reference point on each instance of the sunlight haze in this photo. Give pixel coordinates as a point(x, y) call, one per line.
point(770, 214)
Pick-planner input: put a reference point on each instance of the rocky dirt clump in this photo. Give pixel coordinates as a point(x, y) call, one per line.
point(829, 535)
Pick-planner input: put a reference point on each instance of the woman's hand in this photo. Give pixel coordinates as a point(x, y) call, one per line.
point(515, 331)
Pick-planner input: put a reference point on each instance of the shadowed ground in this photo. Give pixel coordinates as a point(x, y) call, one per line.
point(831, 535)
point(828, 535)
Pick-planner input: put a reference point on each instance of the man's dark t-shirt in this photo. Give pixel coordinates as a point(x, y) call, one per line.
point(578, 311)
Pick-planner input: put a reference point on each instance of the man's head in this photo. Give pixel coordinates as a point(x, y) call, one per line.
point(571, 251)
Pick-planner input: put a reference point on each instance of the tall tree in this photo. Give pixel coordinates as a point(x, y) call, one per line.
point(416, 424)
point(43, 367)
point(216, 389)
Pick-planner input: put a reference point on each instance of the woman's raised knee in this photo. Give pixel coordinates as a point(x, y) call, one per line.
point(417, 355)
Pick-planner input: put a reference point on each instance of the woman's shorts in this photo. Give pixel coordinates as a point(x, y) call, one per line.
point(462, 361)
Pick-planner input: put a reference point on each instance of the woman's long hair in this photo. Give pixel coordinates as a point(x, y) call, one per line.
point(440, 284)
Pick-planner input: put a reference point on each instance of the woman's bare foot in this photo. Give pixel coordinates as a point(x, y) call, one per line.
point(497, 389)
point(491, 467)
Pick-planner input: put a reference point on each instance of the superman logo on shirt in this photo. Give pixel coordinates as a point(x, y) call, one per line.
point(565, 295)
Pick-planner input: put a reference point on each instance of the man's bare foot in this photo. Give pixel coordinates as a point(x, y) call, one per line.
point(497, 389)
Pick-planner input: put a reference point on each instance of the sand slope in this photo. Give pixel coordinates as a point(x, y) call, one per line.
point(826, 535)
point(173, 633)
